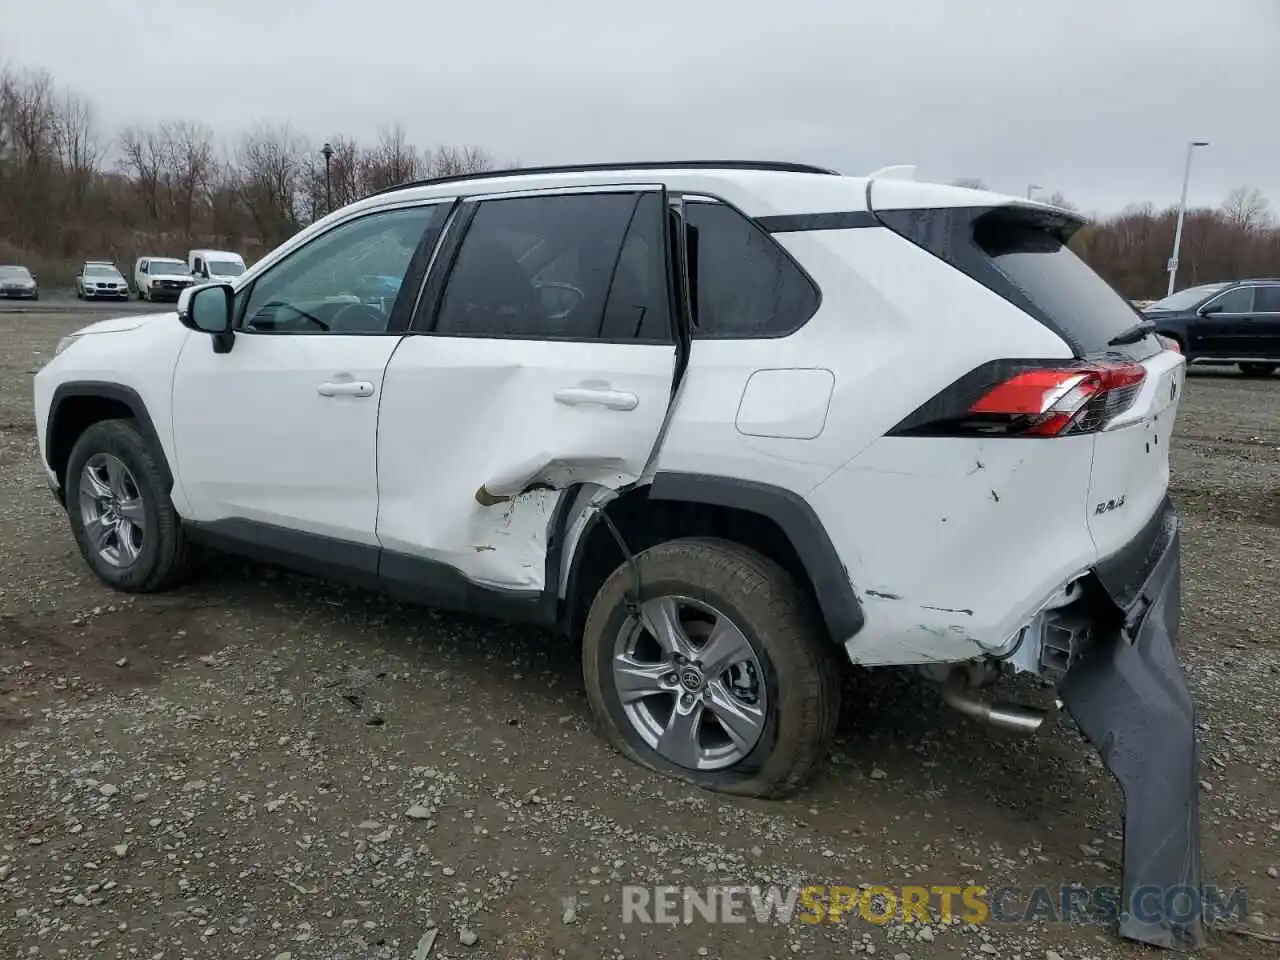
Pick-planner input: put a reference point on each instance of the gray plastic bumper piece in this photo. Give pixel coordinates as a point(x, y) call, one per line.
point(1129, 697)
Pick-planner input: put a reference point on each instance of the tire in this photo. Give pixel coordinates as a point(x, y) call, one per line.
point(794, 661)
point(1258, 369)
point(164, 559)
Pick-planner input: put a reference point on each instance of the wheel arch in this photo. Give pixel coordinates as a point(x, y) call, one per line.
point(775, 521)
point(79, 404)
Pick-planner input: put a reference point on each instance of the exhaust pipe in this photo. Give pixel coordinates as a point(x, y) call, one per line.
point(1007, 716)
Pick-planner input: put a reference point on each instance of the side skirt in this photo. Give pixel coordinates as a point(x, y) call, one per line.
point(406, 578)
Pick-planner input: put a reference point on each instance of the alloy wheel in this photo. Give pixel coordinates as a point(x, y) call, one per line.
point(690, 682)
point(111, 509)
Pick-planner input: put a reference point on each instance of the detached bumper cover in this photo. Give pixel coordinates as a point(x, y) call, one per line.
point(1129, 697)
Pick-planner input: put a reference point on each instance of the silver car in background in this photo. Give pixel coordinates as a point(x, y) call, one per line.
point(100, 280)
point(18, 282)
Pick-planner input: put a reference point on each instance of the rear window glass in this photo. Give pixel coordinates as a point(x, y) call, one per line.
point(1021, 255)
point(1036, 261)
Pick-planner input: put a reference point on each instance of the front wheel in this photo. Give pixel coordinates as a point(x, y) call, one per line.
point(722, 676)
point(1258, 369)
point(120, 512)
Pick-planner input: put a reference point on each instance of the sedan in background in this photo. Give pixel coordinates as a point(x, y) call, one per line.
point(18, 282)
point(1224, 323)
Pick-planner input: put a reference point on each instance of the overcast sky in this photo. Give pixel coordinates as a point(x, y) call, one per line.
point(1093, 98)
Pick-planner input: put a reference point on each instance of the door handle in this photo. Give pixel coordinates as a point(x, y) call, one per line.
point(345, 388)
point(594, 396)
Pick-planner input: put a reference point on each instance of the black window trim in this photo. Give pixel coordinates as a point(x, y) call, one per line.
point(699, 196)
point(1250, 285)
point(401, 310)
point(426, 314)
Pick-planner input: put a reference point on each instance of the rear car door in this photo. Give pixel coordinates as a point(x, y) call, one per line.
point(1266, 321)
point(543, 355)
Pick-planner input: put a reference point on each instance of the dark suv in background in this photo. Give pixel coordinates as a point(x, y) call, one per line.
point(1236, 322)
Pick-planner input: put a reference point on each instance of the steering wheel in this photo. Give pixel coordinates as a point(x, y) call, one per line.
point(358, 318)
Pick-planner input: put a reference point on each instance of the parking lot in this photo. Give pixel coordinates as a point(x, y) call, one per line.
point(228, 771)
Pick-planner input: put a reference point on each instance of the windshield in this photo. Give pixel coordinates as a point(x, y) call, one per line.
point(225, 268)
point(101, 271)
point(168, 266)
point(1188, 298)
point(15, 273)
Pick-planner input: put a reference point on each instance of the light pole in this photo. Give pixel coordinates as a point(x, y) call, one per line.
point(1032, 188)
point(327, 150)
point(1182, 214)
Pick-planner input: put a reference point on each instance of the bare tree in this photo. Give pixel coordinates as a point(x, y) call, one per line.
point(79, 151)
point(448, 161)
point(969, 183)
point(1056, 199)
point(144, 155)
point(392, 160)
point(269, 164)
point(1247, 208)
point(189, 167)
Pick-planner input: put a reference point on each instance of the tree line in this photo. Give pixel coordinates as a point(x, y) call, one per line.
point(70, 190)
point(1131, 249)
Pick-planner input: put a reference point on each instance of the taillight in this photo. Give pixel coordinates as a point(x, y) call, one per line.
point(1029, 399)
point(1169, 343)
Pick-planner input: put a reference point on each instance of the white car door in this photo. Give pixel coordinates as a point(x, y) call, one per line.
point(545, 358)
point(277, 436)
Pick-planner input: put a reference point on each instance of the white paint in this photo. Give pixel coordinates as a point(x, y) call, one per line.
point(256, 440)
point(952, 545)
point(785, 404)
point(459, 414)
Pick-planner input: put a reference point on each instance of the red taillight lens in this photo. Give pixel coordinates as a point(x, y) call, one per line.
point(1169, 343)
point(1057, 402)
point(1028, 398)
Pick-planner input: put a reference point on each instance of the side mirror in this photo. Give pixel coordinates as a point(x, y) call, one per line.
point(209, 309)
point(1210, 309)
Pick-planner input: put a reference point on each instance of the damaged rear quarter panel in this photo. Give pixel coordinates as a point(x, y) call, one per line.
point(951, 543)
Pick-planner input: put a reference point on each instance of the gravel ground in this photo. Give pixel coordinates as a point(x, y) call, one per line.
point(263, 766)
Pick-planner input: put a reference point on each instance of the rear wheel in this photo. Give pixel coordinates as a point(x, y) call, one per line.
point(120, 513)
point(721, 676)
point(1258, 369)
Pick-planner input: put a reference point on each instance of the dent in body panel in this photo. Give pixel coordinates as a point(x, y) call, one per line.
point(940, 563)
point(480, 439)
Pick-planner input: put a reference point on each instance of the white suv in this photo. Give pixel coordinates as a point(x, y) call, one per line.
point(727, 423)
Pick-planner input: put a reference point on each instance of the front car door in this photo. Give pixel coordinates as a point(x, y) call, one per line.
point(544, 359)
point(1220, 328)
point(276, 438)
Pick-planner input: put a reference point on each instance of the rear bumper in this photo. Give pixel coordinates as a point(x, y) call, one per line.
point(1129, 697)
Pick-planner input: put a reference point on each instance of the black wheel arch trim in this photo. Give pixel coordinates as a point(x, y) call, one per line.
point(106, 391)
point(837, 601)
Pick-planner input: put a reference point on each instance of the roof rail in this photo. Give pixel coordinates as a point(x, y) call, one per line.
point(899, 171)
point(781, 166)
